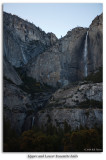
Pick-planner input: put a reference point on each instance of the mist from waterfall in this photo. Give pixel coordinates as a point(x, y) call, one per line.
point(85, 55)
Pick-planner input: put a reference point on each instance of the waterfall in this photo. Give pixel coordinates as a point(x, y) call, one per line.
point(24, 58)
point(33, 119)
point(85, 55)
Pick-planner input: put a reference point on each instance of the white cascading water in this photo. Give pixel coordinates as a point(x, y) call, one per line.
point(33, 119)
point(85, 55)
point(24, 58)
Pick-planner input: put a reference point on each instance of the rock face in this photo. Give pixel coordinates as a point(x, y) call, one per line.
point(80, 105)
point(74, 117)
point(23, 40)
point(47, 59)
point(10, 73)
point(44, 60)
point(95, 44)
point(63, 62)
point(20, 106)
point(75, 95)
point(16, 104)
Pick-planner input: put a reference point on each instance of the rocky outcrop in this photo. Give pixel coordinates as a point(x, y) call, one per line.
point(10, 73)
point(95, 44)
point(75, 118)
point(75, 95)
point(62, 63)
point(79, 105)
point(16, 103)
point(23, 40)
point(19, 106)
point(65, 62)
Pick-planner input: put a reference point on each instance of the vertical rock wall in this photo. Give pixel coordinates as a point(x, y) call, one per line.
point(95, 44)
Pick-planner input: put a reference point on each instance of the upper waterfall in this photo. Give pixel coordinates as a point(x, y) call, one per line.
point(85, 55)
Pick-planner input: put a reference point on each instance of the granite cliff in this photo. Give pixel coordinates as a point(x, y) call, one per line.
point(40, 71)
point(49, 60)
point(64, 62)
point(95, 44)
point(79, 105)
point(23, 40)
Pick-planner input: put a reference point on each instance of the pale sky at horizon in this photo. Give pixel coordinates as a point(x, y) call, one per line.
point(58, 18)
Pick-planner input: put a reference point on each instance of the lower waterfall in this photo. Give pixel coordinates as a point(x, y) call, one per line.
point(33, 119)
